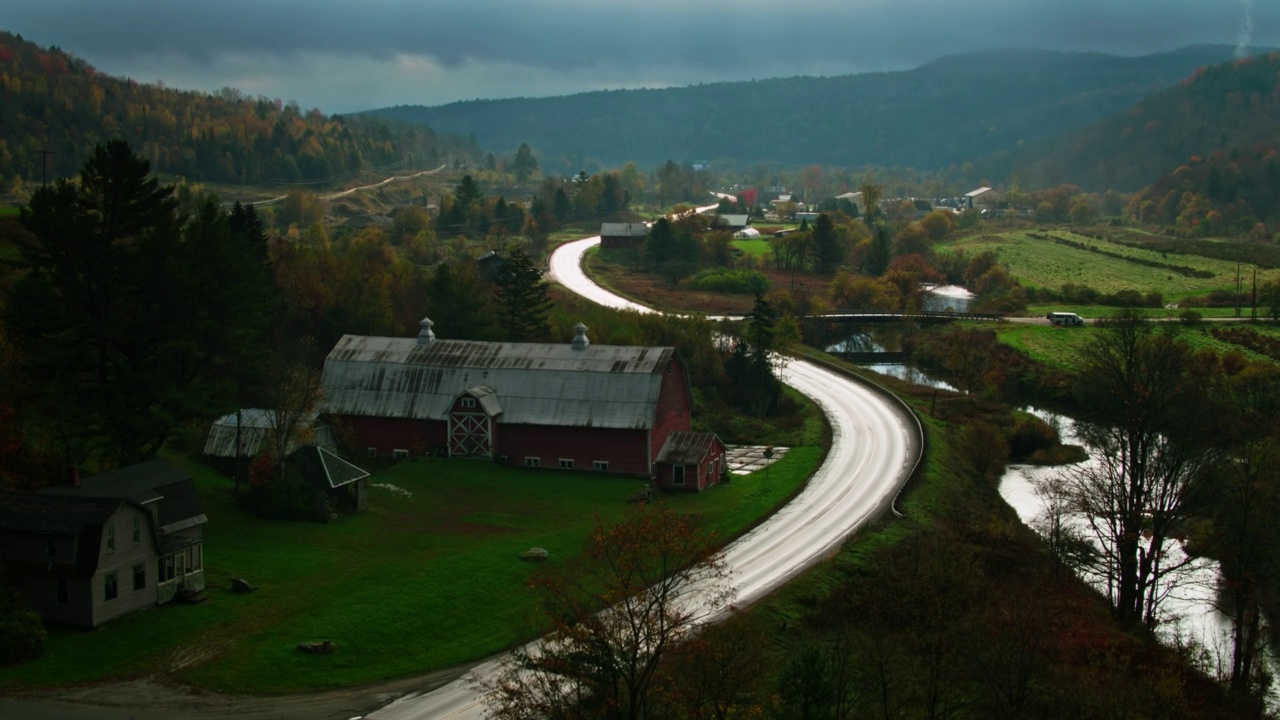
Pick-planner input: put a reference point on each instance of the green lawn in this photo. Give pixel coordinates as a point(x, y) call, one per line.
point(1043, 263)
point(753, 247)
point(8, 210)
point(426, 578)
point(1060, 346)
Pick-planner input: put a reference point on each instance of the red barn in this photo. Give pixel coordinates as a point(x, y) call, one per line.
point(573, 406)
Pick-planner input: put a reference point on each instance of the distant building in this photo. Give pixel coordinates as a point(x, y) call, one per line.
point(984, 198)
point(573, 406)
point(733, 222)
point(622, 235)
point(105, 546)
point(747, 234)
point(242, 435)
point(489, 264)
point(854, 198)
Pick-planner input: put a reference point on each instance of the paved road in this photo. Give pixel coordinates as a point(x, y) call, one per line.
point(874, 446)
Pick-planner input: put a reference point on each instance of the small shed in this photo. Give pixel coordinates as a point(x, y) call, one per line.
point(690, 461)
point(489, 264)
point(622, 235)
point(248, 429)
point(339, 485)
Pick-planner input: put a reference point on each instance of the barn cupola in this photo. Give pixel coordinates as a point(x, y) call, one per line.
point(425, 336)
point(580, 341)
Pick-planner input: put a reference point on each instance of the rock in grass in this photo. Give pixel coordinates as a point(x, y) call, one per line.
point(536, 554)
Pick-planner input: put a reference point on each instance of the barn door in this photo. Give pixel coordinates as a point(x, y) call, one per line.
point(470, 435)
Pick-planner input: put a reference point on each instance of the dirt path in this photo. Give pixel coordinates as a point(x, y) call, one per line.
point(152, 699)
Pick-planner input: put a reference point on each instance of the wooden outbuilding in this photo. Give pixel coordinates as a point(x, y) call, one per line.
point(690, 461)
point(622, 235)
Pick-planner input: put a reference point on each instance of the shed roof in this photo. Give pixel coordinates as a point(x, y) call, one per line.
point(607, 386)
point(686, 448)
point(623, 230)
point(325, 469)
point(976, 193)
point(255, 424)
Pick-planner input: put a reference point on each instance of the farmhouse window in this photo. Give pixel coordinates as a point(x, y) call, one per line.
point(137, 530)
point(677, 474)
point(566, 463)
point(64, 596)
point(111, 538)
point(193, 558)
point(530, 461)
point(139, 577)
point(52, 548)
point(109, 587)
point(601, 465)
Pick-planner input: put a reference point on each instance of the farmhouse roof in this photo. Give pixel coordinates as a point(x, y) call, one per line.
point(686, 448)
point(623, 230)
point(53, 514)
point(607, 386)
point(255, 424)
point(155, 481)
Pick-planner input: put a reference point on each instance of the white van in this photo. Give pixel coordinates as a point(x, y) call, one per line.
point(1063, 318)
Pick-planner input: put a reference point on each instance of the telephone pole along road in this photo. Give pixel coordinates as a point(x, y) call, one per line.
point(875, 444)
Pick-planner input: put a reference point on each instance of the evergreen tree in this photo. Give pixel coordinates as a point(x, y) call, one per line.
point(523, 300)
point(131, 320)
point(524, 165)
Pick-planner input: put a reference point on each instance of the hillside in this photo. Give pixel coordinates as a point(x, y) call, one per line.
point(942, 113)
point(1233, 105)
point(50, 100)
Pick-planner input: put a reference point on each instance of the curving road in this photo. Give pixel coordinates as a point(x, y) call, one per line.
point(874, 447)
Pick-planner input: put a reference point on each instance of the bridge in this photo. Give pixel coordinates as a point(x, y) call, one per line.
point(889, 316)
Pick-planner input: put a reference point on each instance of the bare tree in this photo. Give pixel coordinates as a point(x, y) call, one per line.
point(1150, 460)
point(643, 585)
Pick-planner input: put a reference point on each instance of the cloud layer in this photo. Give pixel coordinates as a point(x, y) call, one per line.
point(344, 57)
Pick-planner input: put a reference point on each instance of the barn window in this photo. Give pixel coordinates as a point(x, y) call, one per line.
point(531, 461)
point(139, 577)
point(373, 452)
point(109, 587)
point(400, 453)
point(566, 463)
point(677, 474)
point(601, 465)
point(468, 402)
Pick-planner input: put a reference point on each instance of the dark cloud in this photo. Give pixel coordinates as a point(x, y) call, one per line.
point(556, 43)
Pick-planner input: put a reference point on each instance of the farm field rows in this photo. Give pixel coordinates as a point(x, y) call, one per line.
point(1044, 263)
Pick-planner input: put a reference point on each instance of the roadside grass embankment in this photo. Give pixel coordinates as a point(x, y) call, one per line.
point(427, 577)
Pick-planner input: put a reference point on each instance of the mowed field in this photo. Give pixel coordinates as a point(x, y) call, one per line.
point(1043, 263)
point(1061, 346)
point(426, 578)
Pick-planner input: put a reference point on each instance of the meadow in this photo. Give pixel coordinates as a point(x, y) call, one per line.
point(1043, 263)
point(428, 577)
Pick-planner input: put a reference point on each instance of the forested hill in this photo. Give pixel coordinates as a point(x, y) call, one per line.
point(53, 101)
point(945, 112)
point(1232, 105)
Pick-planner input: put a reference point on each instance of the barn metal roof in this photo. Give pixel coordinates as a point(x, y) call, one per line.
point(623, 229)
point(686, 448)
point(606, 386)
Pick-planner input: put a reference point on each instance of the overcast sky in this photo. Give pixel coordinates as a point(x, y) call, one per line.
point(362, 54)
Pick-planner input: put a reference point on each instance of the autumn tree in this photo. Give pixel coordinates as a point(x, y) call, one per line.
point(643, 585)
point(871, 194)
point(522, 299)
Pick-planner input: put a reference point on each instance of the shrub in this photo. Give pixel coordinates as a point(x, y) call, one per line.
point(1190, 317)
point(22, 634)
point(724, 280)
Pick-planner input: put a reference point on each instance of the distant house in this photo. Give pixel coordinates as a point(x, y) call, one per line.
point(622, 235)
point(691, 461)
point(984, 198)
point(106, 546)
point(489, 264)
point(247, 430)
point(573, 406)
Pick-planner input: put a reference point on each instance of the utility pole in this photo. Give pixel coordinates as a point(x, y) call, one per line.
point(44, 165)
point(1253, 312)
point(1237, 289)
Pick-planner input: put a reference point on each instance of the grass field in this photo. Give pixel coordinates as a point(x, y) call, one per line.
point(1043, 263)
point(8, 211)
point(1060, 346)
point(426, 578)
point(755, 248)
